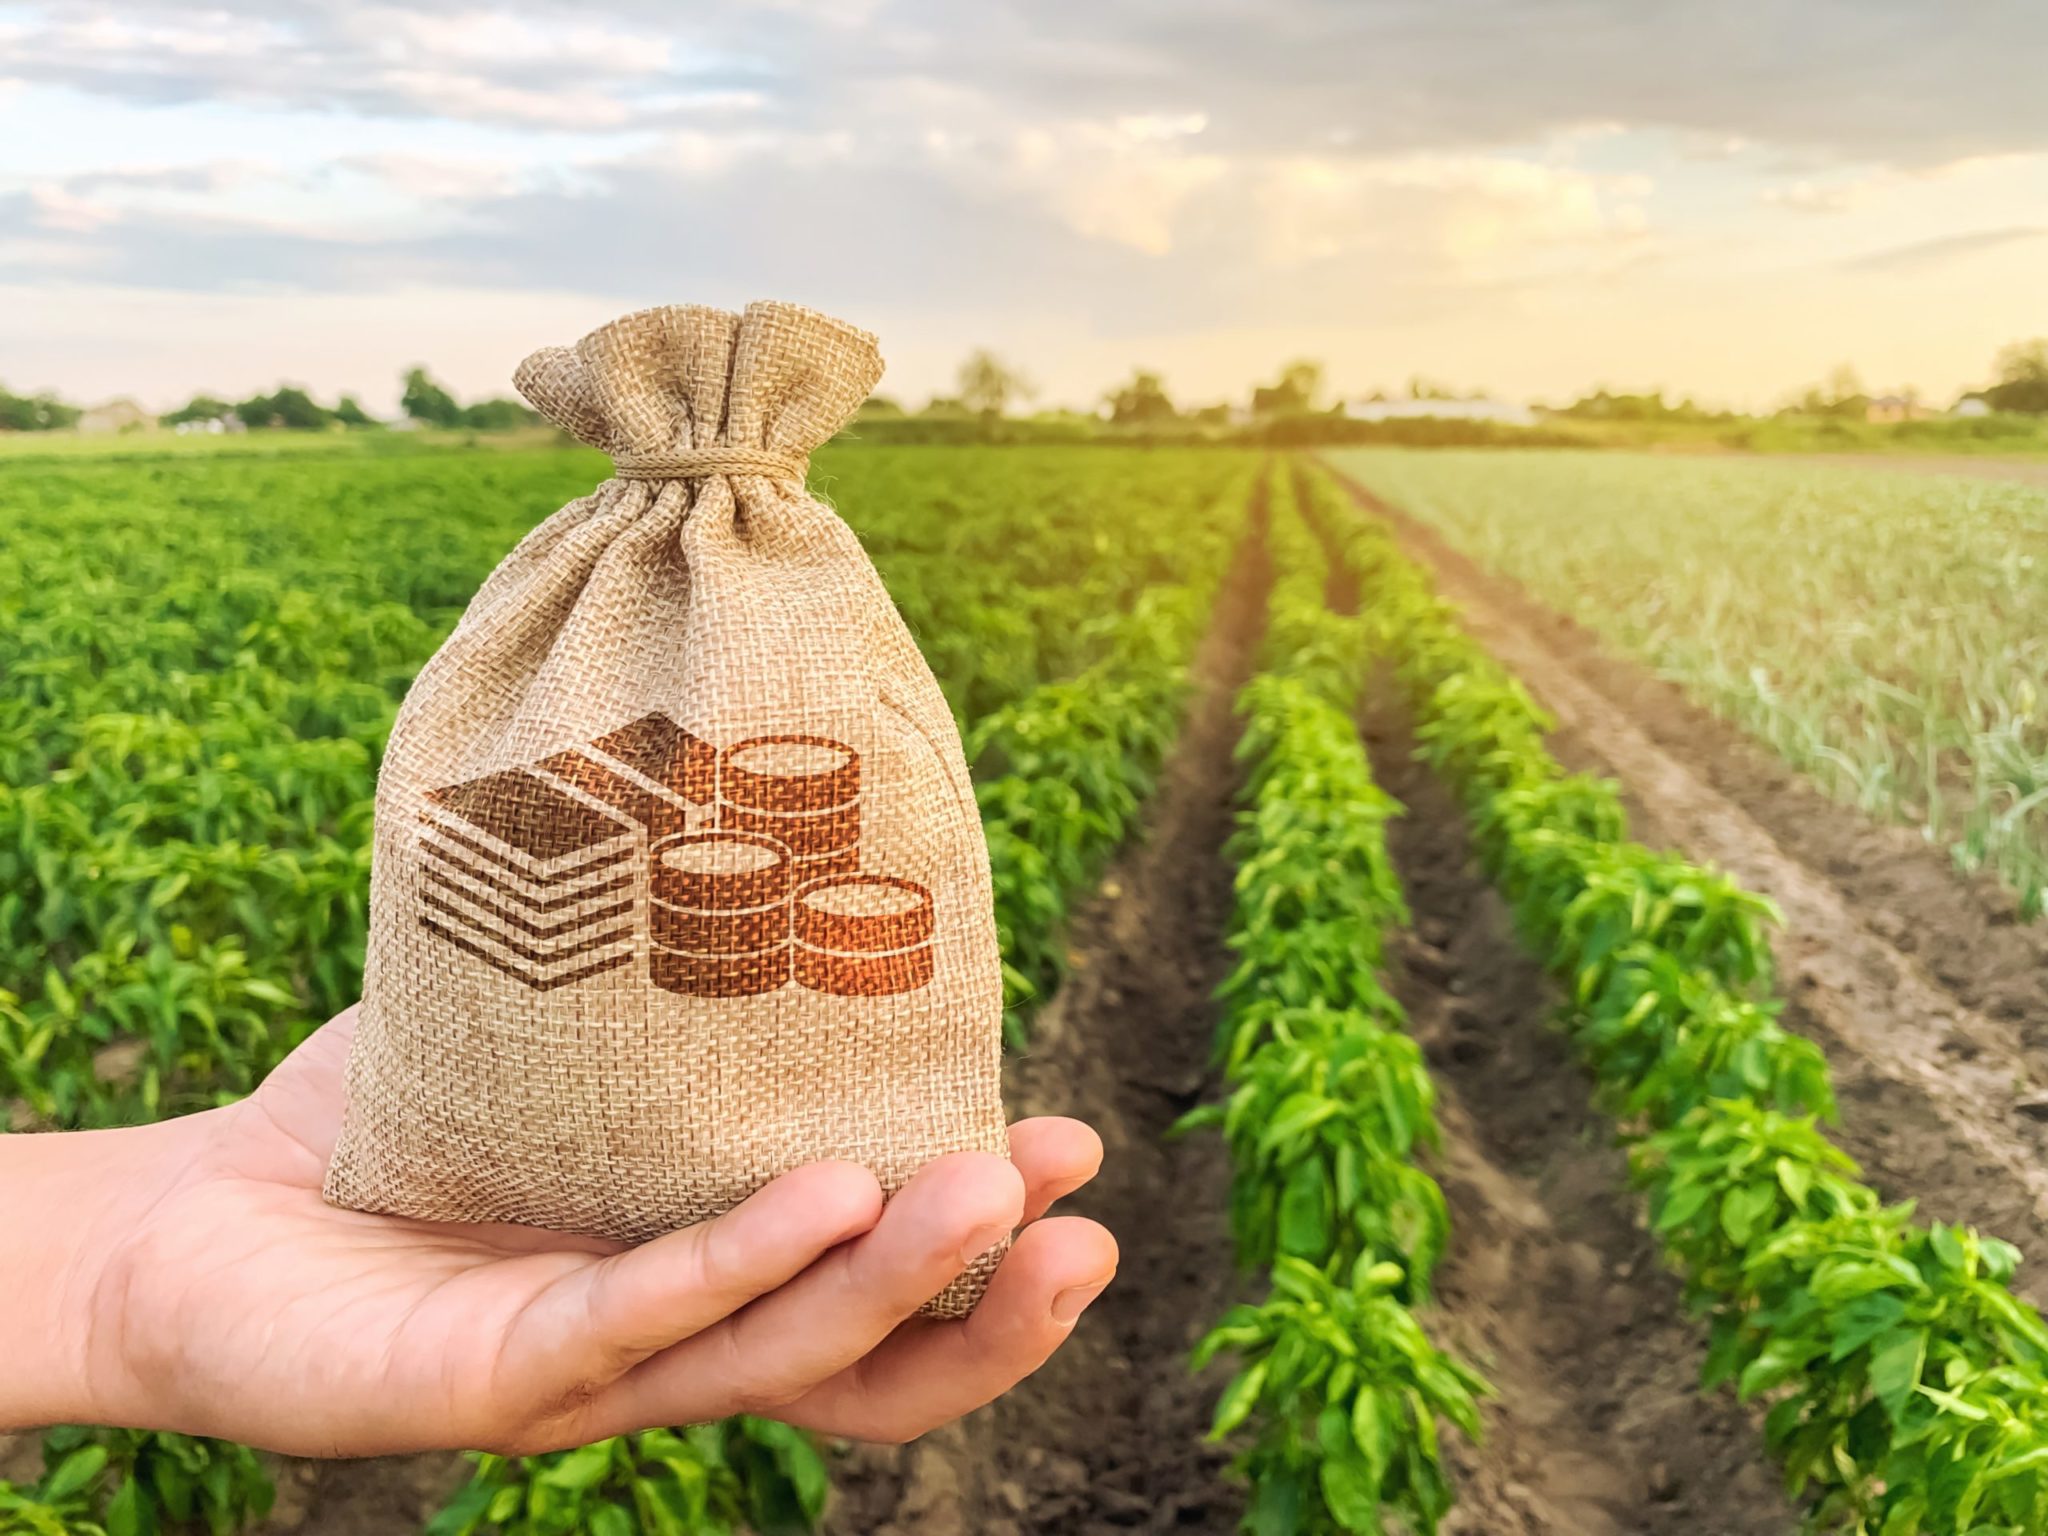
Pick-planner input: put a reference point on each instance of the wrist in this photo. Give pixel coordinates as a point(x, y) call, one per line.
point(69, 1200)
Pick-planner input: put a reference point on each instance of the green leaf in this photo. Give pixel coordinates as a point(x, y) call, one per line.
point(1895, 1361)
point(127, 1515)
point(580, 1469)
point(1684, 1204)
point(1297, 1114)
point(1304, 1226)
point(1238, 1400)
point(1859, 1321)
point(1352, 1494)
point(1796, 1179)
point(74, 1472)
point(1370, 1428)
point(1778, 1361)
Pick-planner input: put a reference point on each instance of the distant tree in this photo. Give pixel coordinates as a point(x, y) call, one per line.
point(1142, 401)
point(35, 413)
point(1299, 387)
point(880, 405)
point(2022, 378)
point(1603, 405)
point(1842, 395)
point(290, 407)
point(425, 401)
point(198, 408)
point(499, 415)
point(351, 414)
point(945, 406)
point(1420, 388)
point(1211, 415)
point(989, 386)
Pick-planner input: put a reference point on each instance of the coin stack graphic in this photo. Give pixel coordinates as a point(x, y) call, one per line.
point(803, 791)
point(863, 935)
point(753, 864)
point(528, 878)
point(718, 914)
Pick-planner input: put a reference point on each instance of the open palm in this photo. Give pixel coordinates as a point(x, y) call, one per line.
point(234, 1301)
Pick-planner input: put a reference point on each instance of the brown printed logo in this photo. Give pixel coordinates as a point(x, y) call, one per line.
point(753, 859)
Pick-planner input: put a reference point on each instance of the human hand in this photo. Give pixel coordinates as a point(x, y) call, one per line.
point(194, 1280)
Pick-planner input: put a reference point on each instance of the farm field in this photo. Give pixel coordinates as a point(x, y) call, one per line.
point(1508, 1083)
point(1880, 631)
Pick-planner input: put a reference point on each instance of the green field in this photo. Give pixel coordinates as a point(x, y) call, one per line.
point(204, 654)
point(1884, 632)
point(204, 649)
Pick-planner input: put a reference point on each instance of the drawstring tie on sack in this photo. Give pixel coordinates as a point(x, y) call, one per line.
point(701, 463)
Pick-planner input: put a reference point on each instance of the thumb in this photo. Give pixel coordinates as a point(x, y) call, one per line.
point(590, 1326)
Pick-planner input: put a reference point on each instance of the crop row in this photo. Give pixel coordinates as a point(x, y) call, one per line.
point(210, 655)
point(1061, 773)
point(1877, 629)
point(1907, 1385)
point(204, 659)
point(1329, 1103)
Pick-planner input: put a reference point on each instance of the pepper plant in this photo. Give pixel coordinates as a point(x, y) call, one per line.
point(1907, 1385)
point(1338, 1387)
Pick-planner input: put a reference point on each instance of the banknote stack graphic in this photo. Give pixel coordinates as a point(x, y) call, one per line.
point(528, 878)
point(751, 855)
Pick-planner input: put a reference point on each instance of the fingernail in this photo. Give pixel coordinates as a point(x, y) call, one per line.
point(1068, 1306)
point(979, 1241)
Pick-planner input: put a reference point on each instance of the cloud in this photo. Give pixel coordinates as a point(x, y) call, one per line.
point(1146, 169)
point(1465, 216)
point(1818, 197)
point(207, 177)
point(540, 66)
point(1117, 225)
point(55, 207)
point(1933, 253)
point(1880, 81)
point(1124, 182)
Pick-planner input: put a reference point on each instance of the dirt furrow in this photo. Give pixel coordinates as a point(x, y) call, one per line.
point(1963, 928)
point(1552, 1286)
point(1936, 1093)
point(1109, 1435)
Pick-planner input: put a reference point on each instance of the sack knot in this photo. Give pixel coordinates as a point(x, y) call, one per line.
point(701, 463)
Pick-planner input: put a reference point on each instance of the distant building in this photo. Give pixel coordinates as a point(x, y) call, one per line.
point(1972, 405)
point(122, 415)
point(1506, 413)
point(1895, 408)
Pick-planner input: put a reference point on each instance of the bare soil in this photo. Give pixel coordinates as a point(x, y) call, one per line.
point(1930, 1000)
point(1552, 1288)
point(1109, 1436)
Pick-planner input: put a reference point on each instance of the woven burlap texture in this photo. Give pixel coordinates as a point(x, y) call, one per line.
point(518, 1057)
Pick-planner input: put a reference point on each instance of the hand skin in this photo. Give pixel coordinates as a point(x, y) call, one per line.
point(188, 1276)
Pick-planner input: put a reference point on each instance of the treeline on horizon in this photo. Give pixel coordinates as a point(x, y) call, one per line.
point(989, 400)
point(1293, 411)
point(290, 408)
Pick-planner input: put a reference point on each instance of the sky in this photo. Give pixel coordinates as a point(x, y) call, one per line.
point(1728, 200)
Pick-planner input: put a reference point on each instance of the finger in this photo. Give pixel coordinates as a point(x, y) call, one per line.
point(596, 1322)
point(929, 1373)
point(1056, 1156)
point(954, 1210)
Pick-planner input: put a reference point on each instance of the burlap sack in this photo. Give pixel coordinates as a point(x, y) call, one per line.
point(678, 879)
